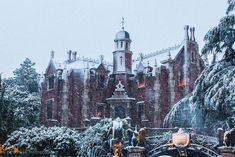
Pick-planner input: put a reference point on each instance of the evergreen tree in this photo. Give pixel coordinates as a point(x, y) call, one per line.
point(27, 76)
point(221, 38)
point(19, 100)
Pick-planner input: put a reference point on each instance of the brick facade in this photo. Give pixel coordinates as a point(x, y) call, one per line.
point(153, 82)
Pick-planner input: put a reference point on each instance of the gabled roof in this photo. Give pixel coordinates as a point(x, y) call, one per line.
point(54, 65)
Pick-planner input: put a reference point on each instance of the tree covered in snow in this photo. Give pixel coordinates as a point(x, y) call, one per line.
point(21, 99)
point(6, 114)
point(27, 76)
point(94, 141)
point(221, 38)
point(43, 140)
point(212, 103)
point(24, 105)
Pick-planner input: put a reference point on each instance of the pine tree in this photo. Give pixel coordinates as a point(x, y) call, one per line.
point(20, 100)
point(27, 76)
point(221, 38)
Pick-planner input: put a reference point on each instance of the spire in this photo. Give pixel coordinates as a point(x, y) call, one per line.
point(141, 56)
point(101, 58)
point(52, 54)
point(123, 22)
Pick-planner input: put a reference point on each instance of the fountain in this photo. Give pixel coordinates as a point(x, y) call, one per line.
point(120, 103)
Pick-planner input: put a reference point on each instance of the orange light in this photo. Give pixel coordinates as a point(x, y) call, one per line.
point(15, 150)
point(99, 114)
point(180, 138)
point(141, 84)
point(182, 83)
point(2, 149)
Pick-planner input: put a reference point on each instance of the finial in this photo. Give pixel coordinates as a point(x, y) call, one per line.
point(123, 22)
point(169, 54)
point(141, 56)
point(155, 62)
point(52, 54)
point(101, 58)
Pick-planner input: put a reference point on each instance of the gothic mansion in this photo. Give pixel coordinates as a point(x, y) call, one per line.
point(80, 91)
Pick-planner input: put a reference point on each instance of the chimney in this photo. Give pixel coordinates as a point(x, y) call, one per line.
point(193, 36)
point(186, 37)
point(74, 55)
point(191, 33)
point(69, 55)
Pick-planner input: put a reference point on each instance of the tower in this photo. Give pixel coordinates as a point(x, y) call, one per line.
point(122, 56)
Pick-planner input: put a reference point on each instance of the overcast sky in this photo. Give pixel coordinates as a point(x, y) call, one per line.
point(32, 28)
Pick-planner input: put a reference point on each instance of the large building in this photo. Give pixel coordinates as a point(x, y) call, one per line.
point(80, 90)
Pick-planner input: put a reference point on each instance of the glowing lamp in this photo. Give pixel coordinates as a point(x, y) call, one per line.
point(180, 139)
point(2, 149)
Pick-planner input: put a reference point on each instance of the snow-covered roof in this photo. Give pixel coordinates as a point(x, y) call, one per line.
point(157, 57)
point(84, 63)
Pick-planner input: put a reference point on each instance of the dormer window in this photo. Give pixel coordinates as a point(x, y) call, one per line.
point(50, 82)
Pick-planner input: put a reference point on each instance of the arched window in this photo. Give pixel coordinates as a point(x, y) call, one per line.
point(49, 107)
point(50, 82)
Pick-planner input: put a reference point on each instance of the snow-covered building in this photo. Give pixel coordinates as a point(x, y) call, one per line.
point(81, 90)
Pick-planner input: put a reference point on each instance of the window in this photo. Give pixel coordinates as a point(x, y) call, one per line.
point(101, 80)
point(50, 82)
point(121, 44)
point(193, 57)
point(126, 45)
point(141, 80)
point(100, 111)
point(141, 111)
point(49, 105)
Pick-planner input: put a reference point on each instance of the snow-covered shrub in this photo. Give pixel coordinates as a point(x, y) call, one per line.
point(43, 139)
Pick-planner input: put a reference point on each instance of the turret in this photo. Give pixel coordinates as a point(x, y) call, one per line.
point(122, 56)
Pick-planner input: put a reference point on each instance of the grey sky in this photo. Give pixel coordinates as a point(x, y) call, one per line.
point(31, 28)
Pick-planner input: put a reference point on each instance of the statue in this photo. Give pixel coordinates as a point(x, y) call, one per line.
point(229, 137)
point(136, 138)
point(141, 137)
point(117, 148)
point(220, 136)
